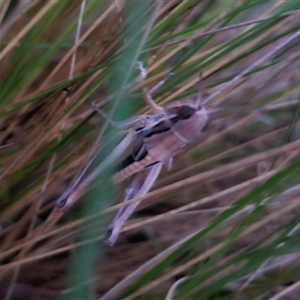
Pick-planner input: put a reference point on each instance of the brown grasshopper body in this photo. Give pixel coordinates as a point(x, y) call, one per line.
point(155, 140)
point(153, 147)
point(161, 143)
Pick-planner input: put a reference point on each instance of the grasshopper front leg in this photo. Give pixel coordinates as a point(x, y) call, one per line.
point(140, 185)
point(148, 95)
point(160, 109)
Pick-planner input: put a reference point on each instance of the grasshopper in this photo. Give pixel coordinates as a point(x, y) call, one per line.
point(155, 140)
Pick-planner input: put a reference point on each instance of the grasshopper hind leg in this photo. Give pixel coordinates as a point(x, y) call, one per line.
point(140, 185)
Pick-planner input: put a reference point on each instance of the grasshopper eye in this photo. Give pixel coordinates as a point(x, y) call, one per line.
point(61, 202)
point(108, 234)
point(63, 199)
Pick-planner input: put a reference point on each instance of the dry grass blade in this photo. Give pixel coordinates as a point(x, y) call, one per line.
point(17, 38)
point(224, 222)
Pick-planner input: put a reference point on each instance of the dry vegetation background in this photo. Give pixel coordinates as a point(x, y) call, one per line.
point(223, 223)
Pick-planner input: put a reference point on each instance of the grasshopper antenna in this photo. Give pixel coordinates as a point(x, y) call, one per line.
point(122, 125)
point(202, 92)
point(104, 115)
